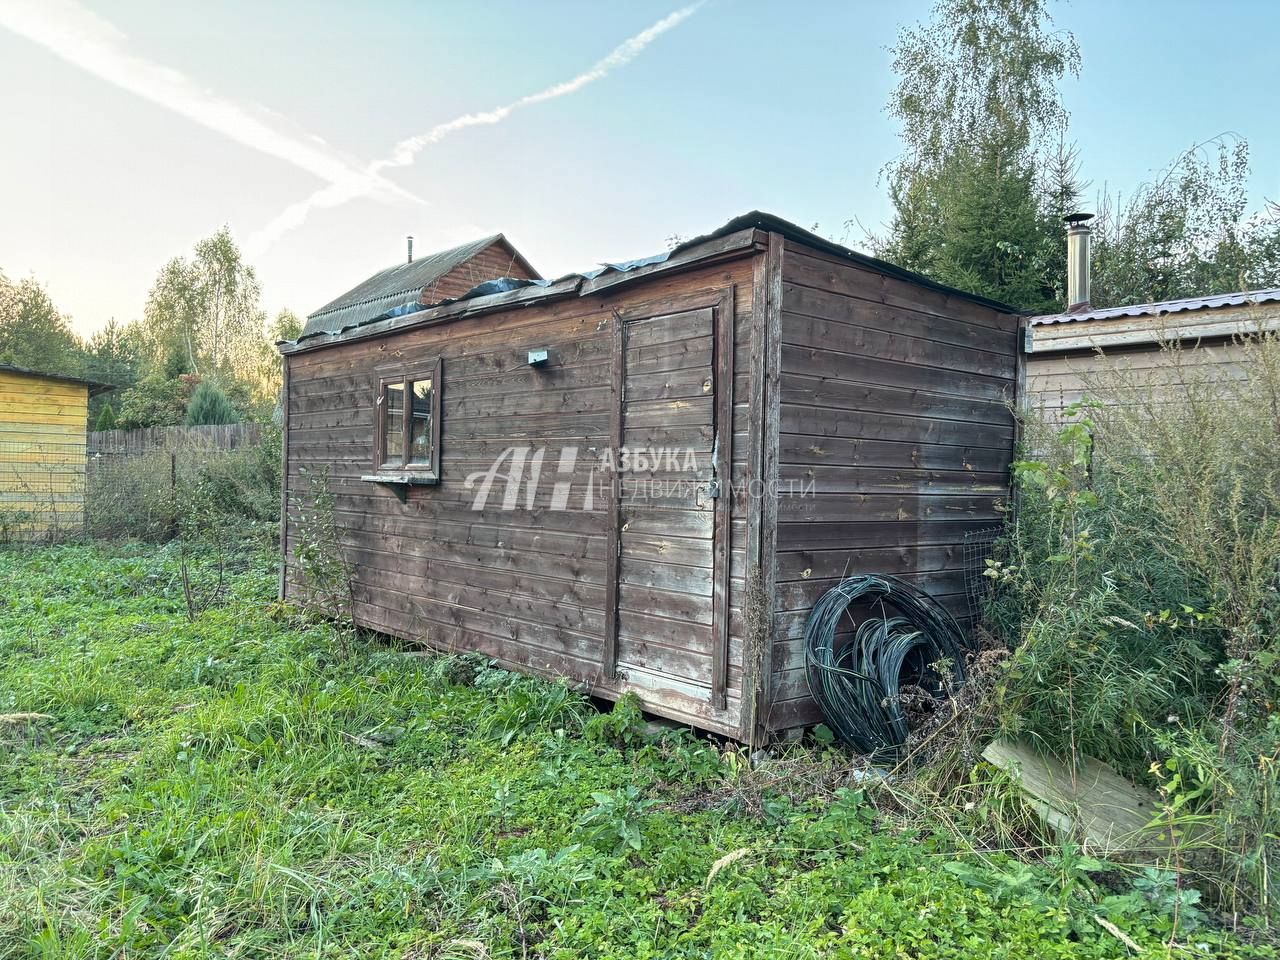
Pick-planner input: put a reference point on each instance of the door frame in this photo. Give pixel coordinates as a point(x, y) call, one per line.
point(723, 321)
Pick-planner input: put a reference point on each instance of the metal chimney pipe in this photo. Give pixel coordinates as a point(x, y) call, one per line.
point(410, 239)
point(1077, 261)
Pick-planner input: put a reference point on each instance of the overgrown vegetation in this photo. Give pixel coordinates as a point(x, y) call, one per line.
point(250, 783)
point(1139, 592)
point(231, 494)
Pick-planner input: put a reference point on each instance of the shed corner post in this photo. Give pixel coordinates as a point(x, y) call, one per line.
point(1021, 401)
point(284, 476)
point(762, 503)
point(1021, 408)
point(613, 500)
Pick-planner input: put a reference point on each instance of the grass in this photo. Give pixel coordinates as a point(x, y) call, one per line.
point(254, 784)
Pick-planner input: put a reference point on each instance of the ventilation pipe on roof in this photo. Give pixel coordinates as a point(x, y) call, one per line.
point(1077, 261)
point(410, 239)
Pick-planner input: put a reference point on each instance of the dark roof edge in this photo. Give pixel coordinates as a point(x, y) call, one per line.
point(774, 224)
point(95, 386)
point(573, 284)
point(678, 257)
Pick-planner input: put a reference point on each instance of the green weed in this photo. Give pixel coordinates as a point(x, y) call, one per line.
point(253, 783)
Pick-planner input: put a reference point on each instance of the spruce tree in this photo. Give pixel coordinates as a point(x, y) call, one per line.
point(208, 406)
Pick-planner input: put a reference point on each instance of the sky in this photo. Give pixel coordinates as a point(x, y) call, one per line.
point(592, 133)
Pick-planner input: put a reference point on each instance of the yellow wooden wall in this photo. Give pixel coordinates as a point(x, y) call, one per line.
point(42, 453)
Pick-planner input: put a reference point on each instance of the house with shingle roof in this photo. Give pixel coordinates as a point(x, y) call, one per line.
point(445, 275)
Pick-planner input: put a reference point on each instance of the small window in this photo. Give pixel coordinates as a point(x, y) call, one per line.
point(393, 425)
point(408, 440)
point(422, 416)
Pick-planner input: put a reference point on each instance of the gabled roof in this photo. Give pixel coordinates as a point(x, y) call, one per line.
point(1162, 307)
point(494, 294)
point(95, 386)
point(397, 286)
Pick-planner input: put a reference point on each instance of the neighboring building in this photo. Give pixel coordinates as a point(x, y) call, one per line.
point(1067, 352)
point(43, 422)
point(441, 276)
point(641, 478)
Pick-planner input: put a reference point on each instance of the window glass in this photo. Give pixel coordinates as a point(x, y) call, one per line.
point(420, 422)
point(393, 425)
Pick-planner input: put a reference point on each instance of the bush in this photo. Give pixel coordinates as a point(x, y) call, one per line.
point(1139, 593)
point(131, 497)
point(156, 401)
point(210, 406)
point(244, 484)
point(106, 419)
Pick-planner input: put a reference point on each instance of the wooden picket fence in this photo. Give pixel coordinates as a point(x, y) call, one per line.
point(230, 436)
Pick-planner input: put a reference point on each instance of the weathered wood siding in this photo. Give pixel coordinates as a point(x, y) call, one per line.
point(1057, 380)
point(895, 437)
point(528, 586)
point(42, 452)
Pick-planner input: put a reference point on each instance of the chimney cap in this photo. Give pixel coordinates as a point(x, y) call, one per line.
point(1077, 219)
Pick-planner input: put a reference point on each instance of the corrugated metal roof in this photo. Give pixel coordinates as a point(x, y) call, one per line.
point(391, 307)
point(1243, 298)
point(391, 288)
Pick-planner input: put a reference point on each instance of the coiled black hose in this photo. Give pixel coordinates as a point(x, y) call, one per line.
point(907, 638)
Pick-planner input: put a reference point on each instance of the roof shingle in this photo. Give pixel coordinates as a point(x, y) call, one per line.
point(391, 287)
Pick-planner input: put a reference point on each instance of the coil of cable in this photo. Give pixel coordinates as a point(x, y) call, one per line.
point(906, 638)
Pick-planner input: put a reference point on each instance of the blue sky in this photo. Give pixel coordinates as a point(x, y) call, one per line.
point(744, 104)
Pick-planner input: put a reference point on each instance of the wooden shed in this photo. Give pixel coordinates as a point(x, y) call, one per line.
point(43, 421)
point(640, 478)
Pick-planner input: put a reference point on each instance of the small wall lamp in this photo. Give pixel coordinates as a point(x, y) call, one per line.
point(539, 358)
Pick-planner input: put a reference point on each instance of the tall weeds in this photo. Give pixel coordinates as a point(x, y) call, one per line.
point(1139, 594)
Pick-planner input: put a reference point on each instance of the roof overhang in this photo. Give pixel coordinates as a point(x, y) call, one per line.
point(94, 387)
point(1126, 331)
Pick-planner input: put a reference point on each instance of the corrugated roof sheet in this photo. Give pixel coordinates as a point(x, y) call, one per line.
point(755, 219)
point(1243, 298)
point(391, 288)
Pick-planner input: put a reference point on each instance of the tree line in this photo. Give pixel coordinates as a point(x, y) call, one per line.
point(988, 170)
point(203, 351)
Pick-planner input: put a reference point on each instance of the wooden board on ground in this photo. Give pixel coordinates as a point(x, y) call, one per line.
point(1105, 811)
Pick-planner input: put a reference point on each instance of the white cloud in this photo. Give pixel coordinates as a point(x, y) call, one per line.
point(406, 151)
point(91, 43)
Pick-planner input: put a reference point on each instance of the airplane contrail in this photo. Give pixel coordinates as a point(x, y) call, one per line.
point(406, 151)
point(87, 41)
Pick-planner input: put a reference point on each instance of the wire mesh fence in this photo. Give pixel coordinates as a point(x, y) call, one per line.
point(118, 484)
point(42, 487)
point(978, 545)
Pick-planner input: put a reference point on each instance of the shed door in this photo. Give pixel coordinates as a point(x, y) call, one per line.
point(667, 501)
